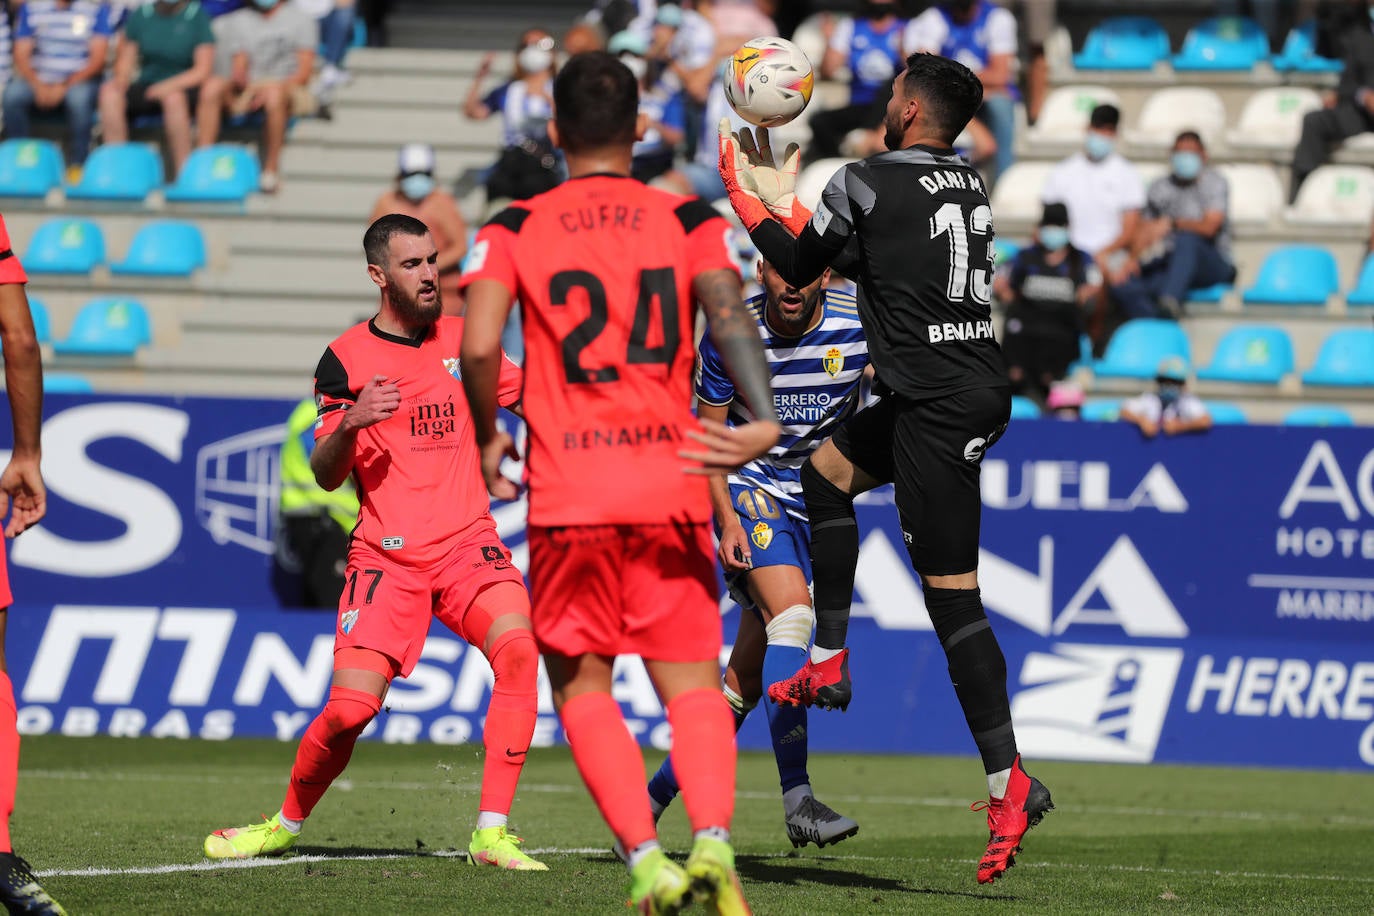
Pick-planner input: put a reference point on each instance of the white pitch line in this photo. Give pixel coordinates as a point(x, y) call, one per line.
point(346, 784)
point(822, 858)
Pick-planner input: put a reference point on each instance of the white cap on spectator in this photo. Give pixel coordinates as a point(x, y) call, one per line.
point(417, 157)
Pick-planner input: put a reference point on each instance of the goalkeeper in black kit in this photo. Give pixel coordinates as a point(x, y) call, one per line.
point(912, 227)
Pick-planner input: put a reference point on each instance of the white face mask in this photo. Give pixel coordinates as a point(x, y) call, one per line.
point(638, 65)
point(534, 59)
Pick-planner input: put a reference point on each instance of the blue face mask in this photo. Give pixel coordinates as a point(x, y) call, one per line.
point(1169, 394)
point(1054, 237)
point(264, 4)
point(417, 186)
point(1185, 165)
point(1098, 146)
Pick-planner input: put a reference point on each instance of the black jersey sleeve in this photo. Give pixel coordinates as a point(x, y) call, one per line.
point(825, 241)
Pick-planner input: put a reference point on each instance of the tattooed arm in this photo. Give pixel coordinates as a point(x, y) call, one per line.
point(736, 337)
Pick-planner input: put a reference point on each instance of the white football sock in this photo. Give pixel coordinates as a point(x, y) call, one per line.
point(712, 833)
point(997, 783)
point(487, 819)
point(640, 852)
point(290, 826)
point(819, 655)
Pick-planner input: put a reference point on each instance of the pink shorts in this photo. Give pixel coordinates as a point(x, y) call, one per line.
point(387, 607)
point(646, 590)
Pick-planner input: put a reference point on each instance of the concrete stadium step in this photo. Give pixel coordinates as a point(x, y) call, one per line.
point(310, 198)
point(325, 275)
point(374, 163)
point(285, 353)
point(413, 61)
point(389, 127)
point(439, 92)
point(267, 315)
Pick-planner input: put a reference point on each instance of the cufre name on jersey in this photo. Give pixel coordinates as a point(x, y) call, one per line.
point(625, 435)
point(965, 330)
point(605, 216)
point(939, 180)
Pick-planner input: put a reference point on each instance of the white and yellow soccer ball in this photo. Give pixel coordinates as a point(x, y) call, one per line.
point(768, 81)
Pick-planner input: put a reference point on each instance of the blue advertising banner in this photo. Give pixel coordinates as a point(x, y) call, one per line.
point(1200, 599)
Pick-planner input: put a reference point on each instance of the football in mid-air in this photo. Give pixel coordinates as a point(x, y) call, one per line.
point(768, 81)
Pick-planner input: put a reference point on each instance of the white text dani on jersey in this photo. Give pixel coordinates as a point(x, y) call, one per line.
point(963, 179)
point(964, 330)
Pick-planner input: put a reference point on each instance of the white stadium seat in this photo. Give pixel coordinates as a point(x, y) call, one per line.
point(813, 178)
point(1272, 118)
point(1016, 196)
point(1169, 112)
point(1335, 195)
point(1257, 195)
point(1064, 116)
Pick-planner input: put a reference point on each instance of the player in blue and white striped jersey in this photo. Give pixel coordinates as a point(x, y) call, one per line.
point(817, 357)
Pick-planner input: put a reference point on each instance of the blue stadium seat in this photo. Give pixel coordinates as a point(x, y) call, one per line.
point(119, 171)
point(216, 173)
point(1299, 53)
point(1209, 293)
point(1223, 43)
point(42, 324)
point(1023, 408)
point(1085, 355)
point(1137, 347)
point(107, 327)
point(1345, 358)
point(1318, 415)
point(66, 383)
point(1251, 353)
point(165, 248)
point(1295, 275)
point(29, 168)
point(1363, 293)
point(1123, 43)
point(1225, 413)
point(65, 246)
point(1102, 411)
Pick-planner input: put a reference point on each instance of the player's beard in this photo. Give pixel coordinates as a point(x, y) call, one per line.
point(410, 310)
point(797, 326)
point(894, 131)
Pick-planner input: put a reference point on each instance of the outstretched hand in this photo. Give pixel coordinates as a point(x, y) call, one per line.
point(753, 177)
point(22, 490)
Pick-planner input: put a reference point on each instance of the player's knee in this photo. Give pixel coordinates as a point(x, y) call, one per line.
point(825, 502)
point(349, 711)
point(956, 614)
point(791, 627)
point(514, 660)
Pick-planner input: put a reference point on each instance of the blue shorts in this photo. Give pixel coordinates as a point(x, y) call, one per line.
point(775, 537)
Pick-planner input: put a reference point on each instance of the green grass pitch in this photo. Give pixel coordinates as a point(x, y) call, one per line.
point(115, 826)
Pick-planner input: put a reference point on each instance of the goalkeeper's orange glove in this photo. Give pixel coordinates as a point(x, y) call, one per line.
point(758, 187)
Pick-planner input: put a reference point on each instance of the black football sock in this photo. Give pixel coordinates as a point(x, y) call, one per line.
point(834, 555)
point(977, 669)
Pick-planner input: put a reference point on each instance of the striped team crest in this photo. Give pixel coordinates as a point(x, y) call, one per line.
point(833, 361)
point(453, 368)
point(762, 535)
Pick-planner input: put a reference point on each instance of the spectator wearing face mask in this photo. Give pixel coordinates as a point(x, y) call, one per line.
point(1103, 193)
point(528, 164)
point(869, 46)
point(1046, 289)
point(416, 194)
point(1065, 401)
point(1170, 409)
point(1184, 240)
point(665, 118)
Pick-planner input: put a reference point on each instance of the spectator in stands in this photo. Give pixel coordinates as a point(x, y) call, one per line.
point(271, 47)
point(582, 37)
point(982, 37)
point(685, 46)
point(665, 120)
point(1351, 110)
point(417, 194)
point(701, 176)
point(335, 19)
point(528, 164)
point(1045, 290)
point(1170, 409)
point(869, 46)
point(170, 48)
point(1184, 240)
point(1065, 401)
point(59, 53)
point(1039, 18)
point(6, 53)
point(218, 8)
point(1103, 193)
